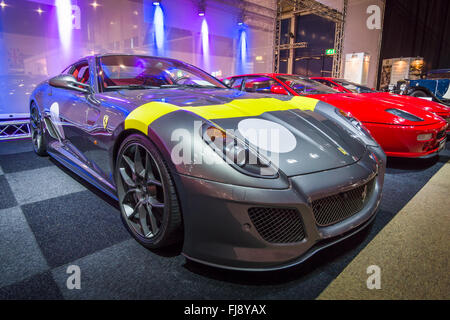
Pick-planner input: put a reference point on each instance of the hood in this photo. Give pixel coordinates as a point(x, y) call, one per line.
point(300, 141)
point(402, 100)
point(371, 108)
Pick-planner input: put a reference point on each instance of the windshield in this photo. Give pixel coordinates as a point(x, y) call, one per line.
point(305, 86)
point(353, 87)
point(141, 72)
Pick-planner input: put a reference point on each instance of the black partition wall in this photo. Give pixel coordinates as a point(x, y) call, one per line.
point(417, 28)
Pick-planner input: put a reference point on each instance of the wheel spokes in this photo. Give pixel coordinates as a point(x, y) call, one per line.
point(143, 222)
point(134, 211)
point(139, 167)
point(153, 220)
point(126, 178)
point(130, 163)
point(149, 176)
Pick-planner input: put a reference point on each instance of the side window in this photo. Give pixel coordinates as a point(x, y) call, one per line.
point(259, 84)
point(66, 70)
point(325, 82)
point(236, 83)
point(81, 72)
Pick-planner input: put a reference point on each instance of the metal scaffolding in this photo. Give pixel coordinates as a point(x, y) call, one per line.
point(14, 129)
point(290, 9)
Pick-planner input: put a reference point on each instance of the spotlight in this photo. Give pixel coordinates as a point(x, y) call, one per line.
point(3, 4)
point(241, 19)
point(201, 8)
point(157, 3)
point(94, 4)
point(40, 11)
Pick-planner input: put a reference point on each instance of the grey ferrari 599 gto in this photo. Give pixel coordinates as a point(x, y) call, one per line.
point(246, 181)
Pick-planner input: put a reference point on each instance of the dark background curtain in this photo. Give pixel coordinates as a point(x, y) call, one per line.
point(417, 28)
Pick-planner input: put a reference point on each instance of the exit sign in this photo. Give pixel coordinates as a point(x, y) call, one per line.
point(330, 52)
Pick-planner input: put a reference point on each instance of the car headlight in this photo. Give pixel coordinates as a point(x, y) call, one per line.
point(424, 137)
point(403, 87)
point(237, 153)
point(355, 122)
point(403, 114)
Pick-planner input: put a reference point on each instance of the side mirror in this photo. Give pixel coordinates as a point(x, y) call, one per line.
point(67, 81)
point(227, 82)
point(338, 89)
point(278, 90)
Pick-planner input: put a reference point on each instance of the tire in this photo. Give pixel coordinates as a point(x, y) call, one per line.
point(419, 94)
point(37, 131)
point(147, 197)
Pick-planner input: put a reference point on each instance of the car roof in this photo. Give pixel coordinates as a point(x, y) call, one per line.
point(268, 74)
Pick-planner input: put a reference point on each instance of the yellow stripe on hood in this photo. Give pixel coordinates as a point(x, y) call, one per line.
point(141, 117)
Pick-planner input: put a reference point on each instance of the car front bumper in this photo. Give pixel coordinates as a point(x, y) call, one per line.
point(401, 141)
point(219, 231)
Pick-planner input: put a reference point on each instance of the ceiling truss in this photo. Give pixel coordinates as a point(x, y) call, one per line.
point(290, 9)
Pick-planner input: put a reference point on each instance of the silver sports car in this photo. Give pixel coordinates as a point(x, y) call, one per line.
point(245, 181)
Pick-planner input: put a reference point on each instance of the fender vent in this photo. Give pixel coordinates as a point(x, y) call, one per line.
point(277, 225)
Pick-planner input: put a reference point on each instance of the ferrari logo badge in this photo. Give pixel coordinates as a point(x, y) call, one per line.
point(105, 121)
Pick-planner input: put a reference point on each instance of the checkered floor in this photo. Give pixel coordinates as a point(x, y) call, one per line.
point(49, 220)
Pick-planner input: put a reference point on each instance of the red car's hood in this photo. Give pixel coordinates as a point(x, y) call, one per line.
point(408, 100)
point(371, 108)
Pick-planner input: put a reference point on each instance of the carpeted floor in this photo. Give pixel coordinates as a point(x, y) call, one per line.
point(50, 219)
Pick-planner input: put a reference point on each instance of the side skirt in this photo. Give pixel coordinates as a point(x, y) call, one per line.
point(58, 153)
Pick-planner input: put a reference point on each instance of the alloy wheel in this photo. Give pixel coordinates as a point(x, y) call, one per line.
point(36, 129)
point(142, 191)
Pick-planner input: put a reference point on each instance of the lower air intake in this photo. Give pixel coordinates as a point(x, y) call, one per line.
point(278, 225)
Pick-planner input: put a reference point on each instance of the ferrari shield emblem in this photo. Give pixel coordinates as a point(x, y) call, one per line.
point(105, 121)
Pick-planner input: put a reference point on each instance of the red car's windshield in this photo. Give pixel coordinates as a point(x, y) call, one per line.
point(118, 72)
point(305, 86)
point(353, 87)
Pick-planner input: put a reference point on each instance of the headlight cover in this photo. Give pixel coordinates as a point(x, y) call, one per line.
point(404, 115)
point(355, 122)
point(238, 153)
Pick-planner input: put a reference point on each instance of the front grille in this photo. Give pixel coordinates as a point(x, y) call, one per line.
point(278, 225)
point(336, 208)
point(441, 135)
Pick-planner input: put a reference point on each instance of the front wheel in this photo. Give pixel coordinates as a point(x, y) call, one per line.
point(419, 94)
point(37, 131)
point(147, 197)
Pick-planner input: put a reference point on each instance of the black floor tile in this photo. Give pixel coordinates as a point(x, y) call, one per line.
point(23, 161)
point(7, 199)
point(15, 146)
point(41, 287)
point(72, 226)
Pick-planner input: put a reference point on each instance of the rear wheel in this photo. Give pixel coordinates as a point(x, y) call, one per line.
point(37, 131)
point(147, 197)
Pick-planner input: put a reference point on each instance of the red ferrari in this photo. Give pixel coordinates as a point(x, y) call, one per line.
point(401, 128)
point(350, 87)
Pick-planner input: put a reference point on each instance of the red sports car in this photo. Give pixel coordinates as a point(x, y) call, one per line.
point(350, 87)
point(401, 128)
